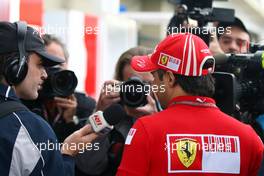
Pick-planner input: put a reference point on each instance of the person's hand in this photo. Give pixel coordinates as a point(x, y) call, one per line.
point(78, 140)
point(148, 109)
point(108, 96)
point(68, 107)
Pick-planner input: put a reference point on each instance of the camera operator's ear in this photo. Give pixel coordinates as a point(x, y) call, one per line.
point(170, 78)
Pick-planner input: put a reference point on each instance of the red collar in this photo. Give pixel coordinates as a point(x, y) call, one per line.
point(193, 100)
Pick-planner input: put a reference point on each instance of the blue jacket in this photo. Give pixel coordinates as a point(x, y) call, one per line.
point(28, 145)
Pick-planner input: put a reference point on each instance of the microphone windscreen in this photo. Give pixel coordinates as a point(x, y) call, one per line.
point(114, 114)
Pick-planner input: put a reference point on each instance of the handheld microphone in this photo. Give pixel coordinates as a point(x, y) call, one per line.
point(103, 121)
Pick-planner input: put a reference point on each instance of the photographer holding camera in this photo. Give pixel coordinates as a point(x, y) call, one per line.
point(28, 144)
point(111, 146)
point(191, 136)
point(57, 103)
point(72, 108)
point(124, 72)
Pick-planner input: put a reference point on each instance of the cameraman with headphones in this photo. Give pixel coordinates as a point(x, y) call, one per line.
point(28, 144)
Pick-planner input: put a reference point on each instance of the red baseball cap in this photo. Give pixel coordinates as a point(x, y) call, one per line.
point(183, 54)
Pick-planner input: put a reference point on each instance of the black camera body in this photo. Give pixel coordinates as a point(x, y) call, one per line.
point(203, 12)
point(133, 92)
point(241, 79)
point(60, 83)
point(240, 88)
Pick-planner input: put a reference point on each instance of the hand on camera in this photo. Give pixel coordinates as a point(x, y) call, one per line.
point(149, 108)
point(108, 95)
point(67, 106)
point(78, 140)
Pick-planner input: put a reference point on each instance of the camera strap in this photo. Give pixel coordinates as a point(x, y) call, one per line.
point(11, 106)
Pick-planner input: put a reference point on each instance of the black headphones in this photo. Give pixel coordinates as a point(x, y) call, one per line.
point(16, 68)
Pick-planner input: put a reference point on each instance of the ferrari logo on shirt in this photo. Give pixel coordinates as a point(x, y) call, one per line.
point(187, 151)
point(195, 153)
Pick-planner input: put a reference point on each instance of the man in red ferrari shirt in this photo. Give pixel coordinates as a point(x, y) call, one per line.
point(191, 136)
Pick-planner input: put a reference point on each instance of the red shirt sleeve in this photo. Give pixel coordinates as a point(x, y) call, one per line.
point(135, 159)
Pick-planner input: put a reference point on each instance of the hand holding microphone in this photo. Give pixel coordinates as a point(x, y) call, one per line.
point(98, 123)
point(102, 122)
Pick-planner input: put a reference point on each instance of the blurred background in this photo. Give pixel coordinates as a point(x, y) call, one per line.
point(96, 32)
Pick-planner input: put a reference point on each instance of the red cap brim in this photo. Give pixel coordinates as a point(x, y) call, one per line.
point(143, 64)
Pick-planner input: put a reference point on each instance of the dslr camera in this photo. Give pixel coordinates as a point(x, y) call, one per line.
point(60, 83)
point(133, 92)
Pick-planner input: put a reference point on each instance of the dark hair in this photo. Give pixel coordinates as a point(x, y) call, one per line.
point(194, 85)
point(125, 59)
point(48, 39)
point(3, 58)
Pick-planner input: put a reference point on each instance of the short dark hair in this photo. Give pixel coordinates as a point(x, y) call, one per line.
point(48, 39)
point(125, 59)
point(194, 85)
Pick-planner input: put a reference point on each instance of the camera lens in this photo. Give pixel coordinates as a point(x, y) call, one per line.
point(64, 83)
point(60, 83)
point(134, 92)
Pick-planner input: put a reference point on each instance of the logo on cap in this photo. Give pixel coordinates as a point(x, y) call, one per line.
point(169, 62)
point(205, 51)
point(141, 63)
point(163, 59)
